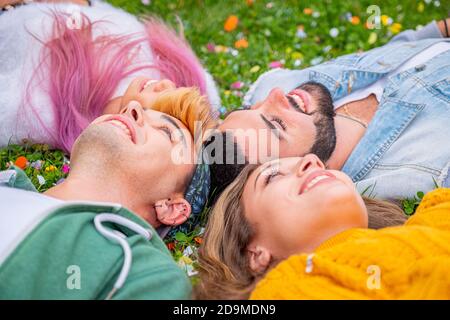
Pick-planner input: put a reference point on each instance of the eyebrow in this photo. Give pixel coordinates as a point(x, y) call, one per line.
point(272, 127)
point(169, 119)
point(261, 171)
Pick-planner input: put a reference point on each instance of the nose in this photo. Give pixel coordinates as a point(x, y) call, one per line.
point(276, 99)
point(135, 111)
point(308, 162)
point(163, 85)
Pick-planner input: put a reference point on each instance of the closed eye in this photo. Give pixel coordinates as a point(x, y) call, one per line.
point(270, 177)
point(167, 131)
point(280, 122)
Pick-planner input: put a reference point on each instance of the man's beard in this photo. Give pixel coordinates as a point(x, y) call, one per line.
point(325, 141)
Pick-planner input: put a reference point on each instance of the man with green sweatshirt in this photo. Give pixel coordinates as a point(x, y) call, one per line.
point(93, 236)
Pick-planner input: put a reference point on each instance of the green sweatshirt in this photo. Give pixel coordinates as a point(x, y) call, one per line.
point(64, 256)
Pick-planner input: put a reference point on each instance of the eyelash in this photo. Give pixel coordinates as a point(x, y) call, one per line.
point(167, 131)
point(270, 177)
point(280, 122)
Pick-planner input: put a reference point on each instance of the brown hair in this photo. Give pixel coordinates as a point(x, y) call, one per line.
point(223, 261)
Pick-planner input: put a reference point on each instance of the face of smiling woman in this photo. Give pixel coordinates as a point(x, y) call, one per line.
point(294, 205)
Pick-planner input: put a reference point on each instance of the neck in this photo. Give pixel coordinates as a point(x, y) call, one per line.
point(85, 187)
point(348, 134)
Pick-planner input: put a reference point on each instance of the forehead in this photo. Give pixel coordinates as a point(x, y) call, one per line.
point(242, 119)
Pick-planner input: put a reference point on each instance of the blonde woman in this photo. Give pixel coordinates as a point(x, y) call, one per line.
point(290, 229)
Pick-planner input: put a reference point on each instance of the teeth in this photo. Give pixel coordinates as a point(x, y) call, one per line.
point(298, 100)
point(314, 181)
point(148, 83)
point(121, 126)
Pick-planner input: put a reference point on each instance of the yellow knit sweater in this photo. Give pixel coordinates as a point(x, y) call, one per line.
point(404, 262)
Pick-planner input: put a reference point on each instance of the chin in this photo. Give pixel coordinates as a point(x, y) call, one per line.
point(346, 204)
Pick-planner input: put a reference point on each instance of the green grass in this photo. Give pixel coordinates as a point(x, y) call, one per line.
point(271, 29)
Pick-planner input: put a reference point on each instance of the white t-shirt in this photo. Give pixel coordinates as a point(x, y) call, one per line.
point(20, 53)
point(377, 87)
point(28, 208)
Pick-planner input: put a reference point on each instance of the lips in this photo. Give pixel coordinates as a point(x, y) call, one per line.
point(314, 179)
point(125, 125)
point(145, 83)
point(299, 99)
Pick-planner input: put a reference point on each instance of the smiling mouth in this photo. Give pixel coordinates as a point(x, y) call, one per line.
point(147, 83)
point(123, 126)
point(315, 179)
point(297, 99)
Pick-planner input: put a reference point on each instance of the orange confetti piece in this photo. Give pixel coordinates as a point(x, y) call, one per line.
point(21, 162)
point(231, 23)
point(241, 44)
point(355, 20)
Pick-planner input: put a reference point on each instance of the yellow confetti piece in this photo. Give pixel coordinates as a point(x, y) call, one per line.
point(372, 38)
point(220, 49)
point(255, 69)
point(296, 55)
point(395, 28)
point(50, 168)
point(186, 260)
point(420, 7)
point(227, 92)
point(384, 20)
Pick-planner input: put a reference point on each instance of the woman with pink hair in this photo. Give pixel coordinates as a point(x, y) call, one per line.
point(63, 64)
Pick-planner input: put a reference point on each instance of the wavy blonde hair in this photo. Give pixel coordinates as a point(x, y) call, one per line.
point(223, 261)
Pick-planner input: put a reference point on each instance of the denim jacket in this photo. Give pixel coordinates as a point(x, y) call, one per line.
point(406, 147)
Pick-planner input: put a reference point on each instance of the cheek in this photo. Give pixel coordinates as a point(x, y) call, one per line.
point(303, 131)
point(341, 209)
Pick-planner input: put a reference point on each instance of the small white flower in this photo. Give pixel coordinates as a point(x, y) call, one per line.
point(327, 49)
point(301, 33)
point(297, 63)
point(316, 61)
point(316, 14)
point(188, 251)
point(190, 270)
point(334, 32)
point(41, 179)
point(437, 3)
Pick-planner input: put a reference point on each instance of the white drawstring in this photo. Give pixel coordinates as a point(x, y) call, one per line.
point(120, 238)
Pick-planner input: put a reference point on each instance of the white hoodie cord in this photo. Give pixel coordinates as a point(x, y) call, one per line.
point(120, 238)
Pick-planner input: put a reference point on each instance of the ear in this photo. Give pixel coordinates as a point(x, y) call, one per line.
point(259, 258)
point(172, 212)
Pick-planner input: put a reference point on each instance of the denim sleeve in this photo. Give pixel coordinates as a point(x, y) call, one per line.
point(431, 30)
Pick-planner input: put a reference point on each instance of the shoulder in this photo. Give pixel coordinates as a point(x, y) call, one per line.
point(434, 210)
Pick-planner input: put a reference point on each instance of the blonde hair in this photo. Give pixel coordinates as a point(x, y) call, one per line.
point(223, 261)
point(188, 106)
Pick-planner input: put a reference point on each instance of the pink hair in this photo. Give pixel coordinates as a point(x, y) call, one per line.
point(83, 72)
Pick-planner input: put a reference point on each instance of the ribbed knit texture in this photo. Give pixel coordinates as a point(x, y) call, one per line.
point(413, 260)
